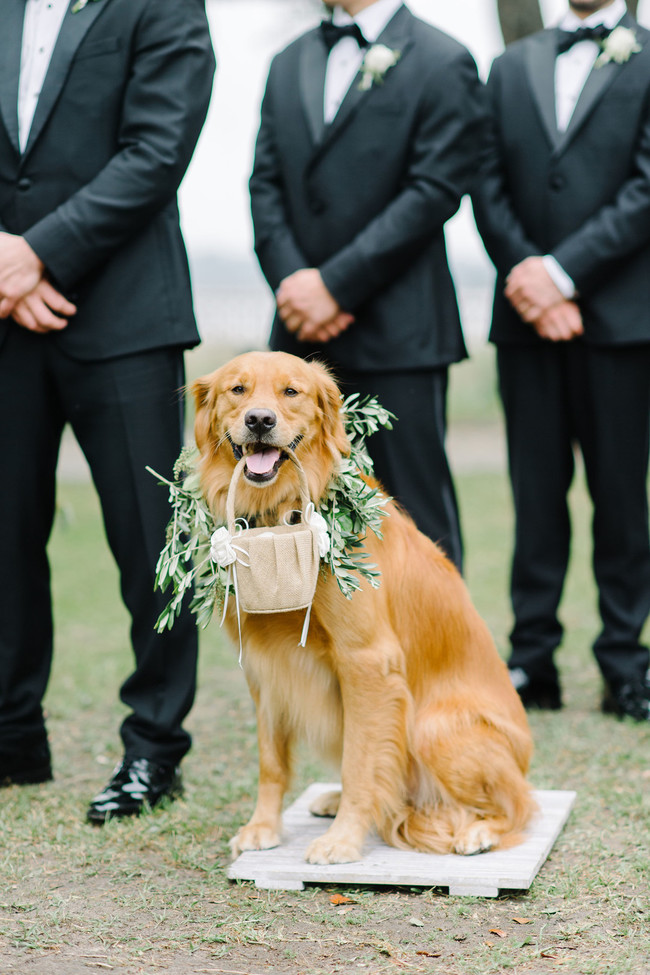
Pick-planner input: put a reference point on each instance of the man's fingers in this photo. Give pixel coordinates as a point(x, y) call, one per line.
point(528, 311)
point(55, 300)
point(23, 315)
point(561, 323)
point(293, 321)
point(285, 307)
point(6, 307)
point(32, 313)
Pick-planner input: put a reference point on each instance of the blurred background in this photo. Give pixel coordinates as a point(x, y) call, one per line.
point(233, 304)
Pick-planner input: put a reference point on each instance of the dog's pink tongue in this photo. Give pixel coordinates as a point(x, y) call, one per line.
point(262, 462)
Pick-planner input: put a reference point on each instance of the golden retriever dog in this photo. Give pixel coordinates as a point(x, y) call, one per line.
point(402, 685)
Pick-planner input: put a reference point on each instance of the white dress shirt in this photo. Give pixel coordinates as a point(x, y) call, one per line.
point(572, 68)
point(346, 57)
point(43, 19)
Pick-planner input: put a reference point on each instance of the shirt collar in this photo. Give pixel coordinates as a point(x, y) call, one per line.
point(608, 16)
point(372, 19)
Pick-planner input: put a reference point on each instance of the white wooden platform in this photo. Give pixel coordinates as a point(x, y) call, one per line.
point(483, 875)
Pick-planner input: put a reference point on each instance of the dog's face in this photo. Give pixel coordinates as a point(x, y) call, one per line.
point(257, 406)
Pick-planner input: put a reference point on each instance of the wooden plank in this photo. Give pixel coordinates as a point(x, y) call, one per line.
point(483, 875)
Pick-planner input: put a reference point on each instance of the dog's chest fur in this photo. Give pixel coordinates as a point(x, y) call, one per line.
point(296, 683)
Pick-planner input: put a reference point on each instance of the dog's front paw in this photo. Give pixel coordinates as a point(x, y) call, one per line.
point(327, 849)
point(254, 836)
point(478, 837)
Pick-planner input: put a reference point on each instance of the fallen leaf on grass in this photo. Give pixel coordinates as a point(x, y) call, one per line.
point(522, 920)
point(499, 933)
point(341, 899)
point(416, 922)
point(430, 954)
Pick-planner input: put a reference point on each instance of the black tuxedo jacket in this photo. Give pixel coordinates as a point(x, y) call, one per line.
point(365, 199)
point(94, 193)
point(582, 195)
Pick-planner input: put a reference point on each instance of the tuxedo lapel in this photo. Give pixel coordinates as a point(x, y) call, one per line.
point(397, 36)
point(312, 67)
point(73, 30)
point(541, 76)
point(598, 81)
point(13, 15)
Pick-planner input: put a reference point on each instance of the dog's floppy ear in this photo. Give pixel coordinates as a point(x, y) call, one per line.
point(329, 401)
point(204, 390)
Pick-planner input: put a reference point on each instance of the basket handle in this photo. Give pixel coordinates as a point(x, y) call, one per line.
point(230, 500)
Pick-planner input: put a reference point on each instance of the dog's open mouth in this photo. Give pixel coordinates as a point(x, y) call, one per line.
point(262, 462)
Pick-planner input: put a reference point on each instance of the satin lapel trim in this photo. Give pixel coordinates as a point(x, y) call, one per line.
point(598, 81)
point(312, 67)
point(73, 30)
point(541, 75)
point(13, 16)
point(396, 36)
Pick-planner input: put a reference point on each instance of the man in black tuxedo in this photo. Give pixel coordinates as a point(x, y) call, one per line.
point(101, 104)
point(564, 211)
point(358, 165)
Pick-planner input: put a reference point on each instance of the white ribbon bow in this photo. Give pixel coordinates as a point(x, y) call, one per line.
point(222, 551)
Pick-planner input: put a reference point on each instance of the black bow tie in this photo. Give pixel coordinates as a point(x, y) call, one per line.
point(567, 38)
point(332, 34)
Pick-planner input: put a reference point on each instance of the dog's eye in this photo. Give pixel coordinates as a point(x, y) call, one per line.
point(238, 390)
point(290, 391)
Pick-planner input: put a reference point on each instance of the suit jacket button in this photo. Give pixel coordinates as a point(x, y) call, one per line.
point(24, 184)
point(557, 182)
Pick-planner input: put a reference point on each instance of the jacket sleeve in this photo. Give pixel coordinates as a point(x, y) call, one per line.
point(441, 164)
point(502, 233)
point(166, 98)
point(276, 247)
point(617, 229)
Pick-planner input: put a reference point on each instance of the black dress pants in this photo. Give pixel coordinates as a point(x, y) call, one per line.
point(410, 460)
point(557, 396)
point(126, 413)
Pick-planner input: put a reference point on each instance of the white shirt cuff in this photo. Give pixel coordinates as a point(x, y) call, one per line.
point(558, 275)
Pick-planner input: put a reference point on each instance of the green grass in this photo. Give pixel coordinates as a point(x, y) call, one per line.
point(151, 895)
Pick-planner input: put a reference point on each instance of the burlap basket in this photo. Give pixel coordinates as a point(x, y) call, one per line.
point(277, 567)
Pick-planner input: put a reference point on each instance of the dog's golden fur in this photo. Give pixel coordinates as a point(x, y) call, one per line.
point(401, 685)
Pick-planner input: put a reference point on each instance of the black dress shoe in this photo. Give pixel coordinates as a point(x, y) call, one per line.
point(631, 700)
point(534, 693)
point(137, 784)
point(26, 765)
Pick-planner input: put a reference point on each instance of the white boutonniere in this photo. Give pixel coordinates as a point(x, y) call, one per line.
point(376, 63)
point(619, 46)
point(80, 4)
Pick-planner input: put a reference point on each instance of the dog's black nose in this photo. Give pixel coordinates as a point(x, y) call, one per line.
point(260, 421)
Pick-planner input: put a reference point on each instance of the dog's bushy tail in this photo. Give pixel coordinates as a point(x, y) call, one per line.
point(443, 828)
point(475, 802)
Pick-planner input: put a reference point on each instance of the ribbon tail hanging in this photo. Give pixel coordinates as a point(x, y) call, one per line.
point(305, 628)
